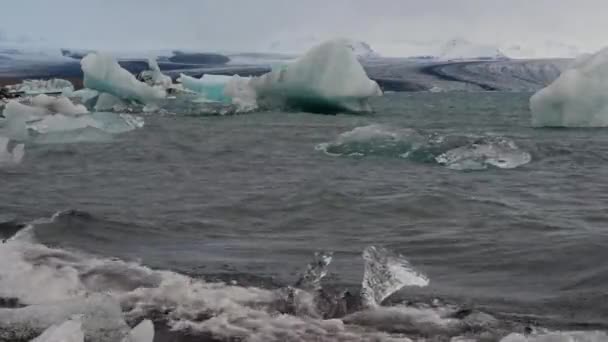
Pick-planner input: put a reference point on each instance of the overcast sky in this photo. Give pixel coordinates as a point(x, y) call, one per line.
point(240, 25)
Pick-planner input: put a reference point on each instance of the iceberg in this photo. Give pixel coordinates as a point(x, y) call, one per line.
point(385, 273)
point(154, 76)
point(498, 152)
point(36, 87)
point(107, 122)
point(59, 104)
point(87, 97)
point(577, 98)
point(143, 332)
point(212, 87)
point(104, 74)
point(16, 117)
point(69, 331)
point(107, 102)
point(7, 157)
point(328, 78)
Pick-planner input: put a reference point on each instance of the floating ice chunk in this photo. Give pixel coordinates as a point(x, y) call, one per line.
point(155, 76)
point(59, 104)
point(107, 122)
point(386, 273)
point(498, 152)
point(10, 158)
point(16, 117)
point(327, 78)
point(143, 332)
point(117, 123)
point(108, 102)
point(85, 96)
point(242, 94)
point(315, 272)
point(69, 331)
point(35, 87)
point(577, 98)
point(210, 86)
point(103, 73)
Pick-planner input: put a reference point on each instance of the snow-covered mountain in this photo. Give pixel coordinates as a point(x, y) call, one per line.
point(299, 45)
point(547, 49)
point(458, 49)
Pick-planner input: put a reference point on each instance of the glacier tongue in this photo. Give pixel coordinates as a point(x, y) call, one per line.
point(104, 74)
point(578, 98)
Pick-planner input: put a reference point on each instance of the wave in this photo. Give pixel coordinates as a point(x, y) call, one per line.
point(457, 152)
point(49, 288)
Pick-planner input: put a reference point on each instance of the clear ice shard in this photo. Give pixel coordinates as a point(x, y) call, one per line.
point(385, 273)
point(143, 332)
point(577, 98)
point(498, 152)
point(315, 272)
point(69, 331)
point(103, 73)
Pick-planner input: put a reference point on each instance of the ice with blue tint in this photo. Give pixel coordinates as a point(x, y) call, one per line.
point(210, 86)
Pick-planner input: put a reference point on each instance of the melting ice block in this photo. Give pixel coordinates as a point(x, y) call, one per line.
point(577, 98)
point(103, 73)
point(385, 273)
point(327, 78)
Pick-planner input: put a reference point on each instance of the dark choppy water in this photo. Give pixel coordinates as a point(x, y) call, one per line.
point(250, 197)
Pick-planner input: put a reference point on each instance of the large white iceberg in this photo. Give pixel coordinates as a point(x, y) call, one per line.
point(578, 98)
point(104, 74)
point(328, 77)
